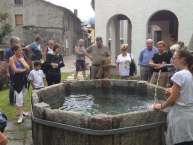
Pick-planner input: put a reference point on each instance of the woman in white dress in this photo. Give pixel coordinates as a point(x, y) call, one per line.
point(180, 99)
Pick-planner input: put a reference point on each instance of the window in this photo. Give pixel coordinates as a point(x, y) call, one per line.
point(18, 19)
point(18, 2)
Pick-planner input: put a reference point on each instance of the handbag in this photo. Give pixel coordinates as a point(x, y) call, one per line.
point(133, 69)
point(3, 121)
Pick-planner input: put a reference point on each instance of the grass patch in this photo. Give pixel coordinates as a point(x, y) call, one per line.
point(65, 75)
point(4, 104)
point(9, 110)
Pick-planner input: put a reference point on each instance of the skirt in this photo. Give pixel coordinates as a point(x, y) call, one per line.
point(180, 125)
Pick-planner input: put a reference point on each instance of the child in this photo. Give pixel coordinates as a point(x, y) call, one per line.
point(37, 77)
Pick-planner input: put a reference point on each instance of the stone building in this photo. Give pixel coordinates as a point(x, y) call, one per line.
point(32, 17)
point(133, 21)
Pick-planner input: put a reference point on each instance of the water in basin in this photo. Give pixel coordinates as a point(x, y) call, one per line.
point(109, 102)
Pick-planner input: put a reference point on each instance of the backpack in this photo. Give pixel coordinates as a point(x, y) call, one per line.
point(3, 121)
point(133, 69)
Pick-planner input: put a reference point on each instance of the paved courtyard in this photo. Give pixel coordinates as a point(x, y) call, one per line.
point(69, 62)
point(19, 134)
point(70, 67)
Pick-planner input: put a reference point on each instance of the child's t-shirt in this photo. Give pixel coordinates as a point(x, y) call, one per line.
point(37, 78)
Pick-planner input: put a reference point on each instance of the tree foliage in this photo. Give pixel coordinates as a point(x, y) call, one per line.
point(5, 27)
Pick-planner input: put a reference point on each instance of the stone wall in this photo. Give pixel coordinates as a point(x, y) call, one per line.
point(140, 130)
point(46, 19)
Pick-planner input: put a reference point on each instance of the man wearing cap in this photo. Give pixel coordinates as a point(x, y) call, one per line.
point(100, 59)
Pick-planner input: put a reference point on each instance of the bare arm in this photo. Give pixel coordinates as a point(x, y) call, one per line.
point(24, 63)
point(155, 65)
point(89, 49)
point(175, 93)
point(13, 66)
point(88, 55)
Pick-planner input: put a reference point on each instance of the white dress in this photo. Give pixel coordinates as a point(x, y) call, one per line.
point(180, 117)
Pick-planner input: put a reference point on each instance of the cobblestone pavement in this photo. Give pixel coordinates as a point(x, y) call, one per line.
point(19, 134)
point(70, 67)
point(69, 62)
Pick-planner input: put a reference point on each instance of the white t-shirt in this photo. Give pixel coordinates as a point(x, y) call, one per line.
point(124, 64)
point(50, 51)
point(37, 78)
point(184, 79)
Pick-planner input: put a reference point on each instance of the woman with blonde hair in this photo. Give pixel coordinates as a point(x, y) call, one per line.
point(123, 62)
point(19, 68)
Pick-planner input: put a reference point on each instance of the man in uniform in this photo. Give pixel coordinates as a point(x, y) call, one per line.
point(100, 56)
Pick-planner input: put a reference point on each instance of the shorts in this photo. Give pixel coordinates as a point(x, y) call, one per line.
point(19, 98)
point(80, 65)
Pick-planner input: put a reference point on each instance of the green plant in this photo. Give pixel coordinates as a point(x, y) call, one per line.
point(5, 28)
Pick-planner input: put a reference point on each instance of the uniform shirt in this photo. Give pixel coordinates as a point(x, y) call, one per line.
point(99, 55)
point(37, 78)
point(124, 64)
point(184, 79)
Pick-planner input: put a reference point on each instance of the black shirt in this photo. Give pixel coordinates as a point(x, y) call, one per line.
point(161, 58)
point(50, 58)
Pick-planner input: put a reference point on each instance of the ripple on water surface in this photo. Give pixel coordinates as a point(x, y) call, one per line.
point(93, 104)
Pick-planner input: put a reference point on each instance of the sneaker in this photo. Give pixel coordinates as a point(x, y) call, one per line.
point(25, 114)
point(20, 119)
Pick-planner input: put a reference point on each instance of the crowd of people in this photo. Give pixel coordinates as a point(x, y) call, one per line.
point(26, 67)
point(158, 64)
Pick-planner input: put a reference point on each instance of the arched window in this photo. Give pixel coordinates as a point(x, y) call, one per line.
point(18, 2)
point(163, 25)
